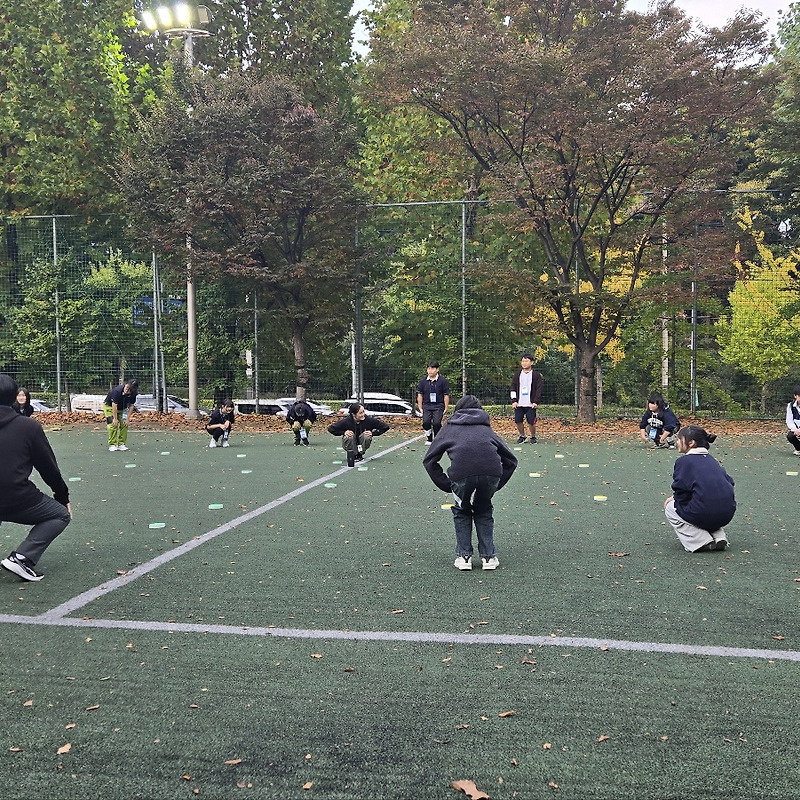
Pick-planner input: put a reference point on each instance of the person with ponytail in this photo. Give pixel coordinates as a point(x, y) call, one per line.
point(702, 499)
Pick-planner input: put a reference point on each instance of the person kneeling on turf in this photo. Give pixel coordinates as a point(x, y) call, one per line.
point(357, 430)
point(301, 417)
point(220, 424)
point(702, 494)
point(480, 464)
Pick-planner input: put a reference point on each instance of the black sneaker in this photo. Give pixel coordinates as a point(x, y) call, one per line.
point(21, 566)
point(533, 440)
point(306, 442)
point(351, 458)
point(359, 456)
point(521, 439)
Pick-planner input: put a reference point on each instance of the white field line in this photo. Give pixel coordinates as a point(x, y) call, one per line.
point(57, 617)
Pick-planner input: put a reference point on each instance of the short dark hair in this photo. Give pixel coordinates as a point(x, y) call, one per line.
point(226, 403)
point(433, 364)
point(133, 385)
point(796, 391)
point(468, 401)
point(8, 389)
point(526, 355)
point(353, 408)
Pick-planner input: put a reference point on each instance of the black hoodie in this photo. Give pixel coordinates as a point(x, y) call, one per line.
point(473, 448)
point(24, 447)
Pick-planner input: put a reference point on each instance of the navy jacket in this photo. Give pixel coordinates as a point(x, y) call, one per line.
point(300, 412)
point(703, 491)
point(661, 420)
point(473, 449)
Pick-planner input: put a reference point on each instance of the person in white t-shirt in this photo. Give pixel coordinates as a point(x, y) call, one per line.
point(526, 394)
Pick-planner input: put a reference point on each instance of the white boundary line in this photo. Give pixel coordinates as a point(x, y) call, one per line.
point(57, 616)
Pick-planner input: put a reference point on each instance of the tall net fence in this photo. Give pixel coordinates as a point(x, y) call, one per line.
point(81, 310)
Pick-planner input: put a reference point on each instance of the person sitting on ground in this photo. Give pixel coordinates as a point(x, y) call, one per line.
point(702, 499)
point(659, 424)
point(357, 431)
point(301, 416)
point(480, 464)
point(25, 447)
point(22, 405)
point(793, 421)
point(220, 424)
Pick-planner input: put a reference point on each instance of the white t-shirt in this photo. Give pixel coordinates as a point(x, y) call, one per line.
point(525, 383)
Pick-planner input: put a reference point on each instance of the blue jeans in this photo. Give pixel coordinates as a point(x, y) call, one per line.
point(472, 502)
point(48, 518)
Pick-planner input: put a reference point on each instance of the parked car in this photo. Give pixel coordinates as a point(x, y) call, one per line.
point(91, 403)
point(40, 407)
point(147, 403)
point(382, 404)
point(265, 406)
point(321, 409)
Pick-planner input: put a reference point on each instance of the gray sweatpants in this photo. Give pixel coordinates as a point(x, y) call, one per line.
point(690, 536)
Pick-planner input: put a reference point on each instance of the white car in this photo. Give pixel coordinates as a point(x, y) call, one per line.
point(147, 403)
point(92, 403)
point(382, 404)
point(321, 409)
point(40, 407)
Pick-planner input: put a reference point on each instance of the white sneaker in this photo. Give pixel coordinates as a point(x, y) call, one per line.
point(121, 447)
point(225, 443)
point(212, 443)
point(112, 449)
point(491, 563)
point(463, 563)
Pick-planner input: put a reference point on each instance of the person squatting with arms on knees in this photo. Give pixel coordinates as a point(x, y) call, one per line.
point(659, 423)
point(526, 394)
point(702, 499)
point(118, 407)
point(793, 421)
point(433, 398)
point(220, 424)
point(357, 431)
point(301, 417)
point(25, 447)
point(481, 463)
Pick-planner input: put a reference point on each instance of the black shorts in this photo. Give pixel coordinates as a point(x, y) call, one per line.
point(524, 412)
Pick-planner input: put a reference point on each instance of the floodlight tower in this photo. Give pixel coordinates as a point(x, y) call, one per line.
point(184, 21)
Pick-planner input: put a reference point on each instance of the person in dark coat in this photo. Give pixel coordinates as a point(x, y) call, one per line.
point(659, 423)
point(357, 431)
point(480, 464)
point(220, 424)
point(25, 447)
point(301, 416)
point(702, 499)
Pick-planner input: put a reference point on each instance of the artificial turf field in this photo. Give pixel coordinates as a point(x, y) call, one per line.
point(311, 638)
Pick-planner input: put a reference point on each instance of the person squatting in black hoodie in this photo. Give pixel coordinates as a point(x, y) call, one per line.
point(25, 447)
point(357, 429)
point(659, 423)
point(702, 494)
point(481, 463)
point(301, 416)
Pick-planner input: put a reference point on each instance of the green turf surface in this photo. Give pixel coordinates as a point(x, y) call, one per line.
point(400, 719)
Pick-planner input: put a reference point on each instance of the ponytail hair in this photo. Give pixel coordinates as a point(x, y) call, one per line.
point(694, 433)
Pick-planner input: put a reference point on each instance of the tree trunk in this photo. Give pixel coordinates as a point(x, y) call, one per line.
point(764, 390)
point(300, 361)
point(586, 411)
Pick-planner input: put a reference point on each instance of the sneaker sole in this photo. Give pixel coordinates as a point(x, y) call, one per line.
point(11, 566)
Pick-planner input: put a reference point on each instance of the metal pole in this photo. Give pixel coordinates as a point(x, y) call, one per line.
point(191, 294)
point(156, 381)
point(58, 321)
point(693, 359)
point(463, 298)
point(255, 349)
point(358, 334)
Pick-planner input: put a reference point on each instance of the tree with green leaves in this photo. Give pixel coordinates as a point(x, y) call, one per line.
point(63, 103)
point(761, 337)
point(594, 123)
point(258, 185)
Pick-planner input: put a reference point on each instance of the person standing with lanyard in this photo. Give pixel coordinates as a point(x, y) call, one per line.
point(793, 421)
point(117, 407)
point(433, 398)
point(526, 393)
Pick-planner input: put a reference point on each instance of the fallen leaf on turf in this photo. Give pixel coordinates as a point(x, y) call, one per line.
point(514, 762)
point(316, 655)
point(547, 746)
point(779, 638)
point(15, 749)
point(233, 761)
point(603, 738)
point(70, 726)
point(462, 727)
point(65, 748)
point(349, 669)
point(398, 611)
point(703, 587)
point(619, 555)
point(553, 785)
point(92, 708)
point(186, 777)
point(470, 790)
point(28, 703)
point(507, 713)
point(308, 785)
